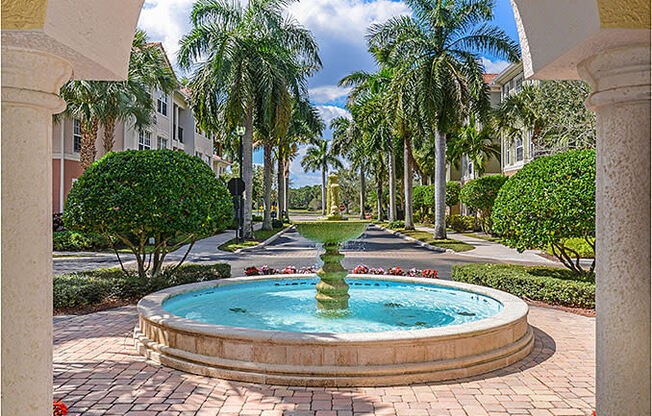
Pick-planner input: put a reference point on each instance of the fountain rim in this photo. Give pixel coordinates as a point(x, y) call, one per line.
point(151, 308)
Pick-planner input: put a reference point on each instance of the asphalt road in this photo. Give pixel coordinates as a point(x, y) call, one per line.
point(375, 248)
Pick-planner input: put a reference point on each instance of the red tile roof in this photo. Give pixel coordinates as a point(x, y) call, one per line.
point(487, 78)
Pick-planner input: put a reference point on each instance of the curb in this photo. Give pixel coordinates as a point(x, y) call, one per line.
point(414, 240)
point(264, 243)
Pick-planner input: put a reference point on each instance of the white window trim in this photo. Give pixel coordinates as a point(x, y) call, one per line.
point(144, 140)
point(76, 121)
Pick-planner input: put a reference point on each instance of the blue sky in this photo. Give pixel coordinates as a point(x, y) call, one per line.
point(339, 27)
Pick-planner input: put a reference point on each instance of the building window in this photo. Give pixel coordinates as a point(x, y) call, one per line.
point(518, 143)
point(508, 153)
point(530, 152)
point(162, 143)
point(144, 140)
point(519, 83)
point(162, 103)
point(76, 136)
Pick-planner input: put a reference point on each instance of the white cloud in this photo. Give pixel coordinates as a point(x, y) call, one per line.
point(166, 21)
point(328, 93)
point(330, 112)
point(298, 177)
point(494, 67)
point(345, 19)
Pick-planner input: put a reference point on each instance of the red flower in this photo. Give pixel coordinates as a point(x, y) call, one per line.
point(252, 271)
point(430, 274)
point(396, 271)
point(360, 269)
point(59, 409)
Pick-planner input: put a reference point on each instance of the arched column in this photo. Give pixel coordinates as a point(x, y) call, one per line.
point(28, 103)
point(620, 81)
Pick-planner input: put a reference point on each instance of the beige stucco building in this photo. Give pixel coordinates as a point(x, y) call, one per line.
point(173, 127)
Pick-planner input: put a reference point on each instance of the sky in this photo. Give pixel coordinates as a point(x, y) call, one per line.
point(339, 27)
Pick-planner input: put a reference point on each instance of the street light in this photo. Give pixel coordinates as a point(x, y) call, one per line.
point(240, 131)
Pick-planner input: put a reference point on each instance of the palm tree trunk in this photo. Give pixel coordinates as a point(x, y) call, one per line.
point(247, 170)
point(392, 184)
point(362, 192)
point(109, 134)
point(407, 179)
point(88, 136)
point(267, 186)
point(280, 186)
point(379, 197)
point(323, 190)
point(440, 186)
point(286, 184)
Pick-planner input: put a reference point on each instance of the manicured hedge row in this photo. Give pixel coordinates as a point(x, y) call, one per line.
point(76, 241)
point(546, 284)
point(83, 289)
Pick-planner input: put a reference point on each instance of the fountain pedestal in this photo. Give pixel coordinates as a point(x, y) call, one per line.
point(332, 290)
point(332, 231)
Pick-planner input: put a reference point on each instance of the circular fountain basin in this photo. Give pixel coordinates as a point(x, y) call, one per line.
point(331, 231)
point(397, 330)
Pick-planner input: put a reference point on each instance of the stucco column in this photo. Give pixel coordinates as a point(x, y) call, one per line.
point(620, 80)
point(30, 83)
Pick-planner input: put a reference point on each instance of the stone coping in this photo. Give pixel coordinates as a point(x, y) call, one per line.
point(151, 308)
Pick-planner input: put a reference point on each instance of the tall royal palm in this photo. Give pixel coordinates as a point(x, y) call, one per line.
point(476, 142)
point(439, 50)
point(240, 55)
point(319, 157)
point(348, 142)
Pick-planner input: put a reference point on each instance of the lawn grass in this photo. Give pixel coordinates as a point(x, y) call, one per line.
point(455, 245)
point(417, 234)
point(259, 236)
point(484, 237)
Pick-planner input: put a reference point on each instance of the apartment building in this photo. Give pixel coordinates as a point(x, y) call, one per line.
point(515, 152)
point(173, 127)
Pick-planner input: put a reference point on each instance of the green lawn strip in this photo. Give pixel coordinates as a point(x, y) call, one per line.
point(455, 245)
point(579, 245)
point(259, 236)
point(484, 237)
point(552, 285)
point(416, 234)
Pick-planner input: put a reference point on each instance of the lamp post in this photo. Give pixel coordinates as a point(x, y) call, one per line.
point(240, 231)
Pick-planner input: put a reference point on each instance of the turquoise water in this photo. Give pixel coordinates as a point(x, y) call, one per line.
point(374, 306)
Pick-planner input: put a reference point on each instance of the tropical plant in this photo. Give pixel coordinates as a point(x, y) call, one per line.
point(546, 203)
point(246, 58)
point(319, 158)
point(452, 193)
point(136, 196)
point(479, 195)
point(476, 142)
point(348, 142)
point(436, 56)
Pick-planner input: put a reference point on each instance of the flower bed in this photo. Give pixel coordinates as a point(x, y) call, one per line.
point(266, 270)
point(59, 409)
point(359, 269)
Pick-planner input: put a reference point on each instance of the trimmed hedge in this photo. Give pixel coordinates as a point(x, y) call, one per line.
point(461, 223)
point(89, 288)
point(76, 241)
point(546, 284)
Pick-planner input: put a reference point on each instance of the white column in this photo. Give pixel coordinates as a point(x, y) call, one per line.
point(620, 80)
point(30, 83)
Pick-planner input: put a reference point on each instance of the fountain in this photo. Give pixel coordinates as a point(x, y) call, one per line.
point(332, 232)
point(372, 331)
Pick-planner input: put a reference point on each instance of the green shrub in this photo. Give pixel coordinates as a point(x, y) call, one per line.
point(257, 218)
point(276, 223)
point(452, 193)
point(461, 223)
point(479, 195)
point(138, 195)
point(78, 290)
point(547, 203)
point(75, 241)
point(545, 284)
point(395, 225)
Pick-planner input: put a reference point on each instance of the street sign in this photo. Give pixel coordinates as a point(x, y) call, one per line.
point(342, 207)
point(236, 186)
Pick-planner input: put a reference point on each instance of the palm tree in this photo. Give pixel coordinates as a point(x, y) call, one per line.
point(476, 142)
point(347, 141)
point(305, 125)
point(240, 54)
point(437, 50)
point(319, 157)
point(370, 92)
point(83, 99)
point(148, 69)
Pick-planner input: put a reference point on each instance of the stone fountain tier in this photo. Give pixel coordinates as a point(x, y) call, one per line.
point(332, 231)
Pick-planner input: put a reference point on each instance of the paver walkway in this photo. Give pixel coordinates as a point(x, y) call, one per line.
point(494, 251)
point(97, 372)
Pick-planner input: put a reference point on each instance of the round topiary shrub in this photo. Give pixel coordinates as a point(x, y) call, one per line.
point(140, 196)
point(550, 200)
point(480, 194)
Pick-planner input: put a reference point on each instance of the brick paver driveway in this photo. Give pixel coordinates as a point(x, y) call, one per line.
point(97, 372)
